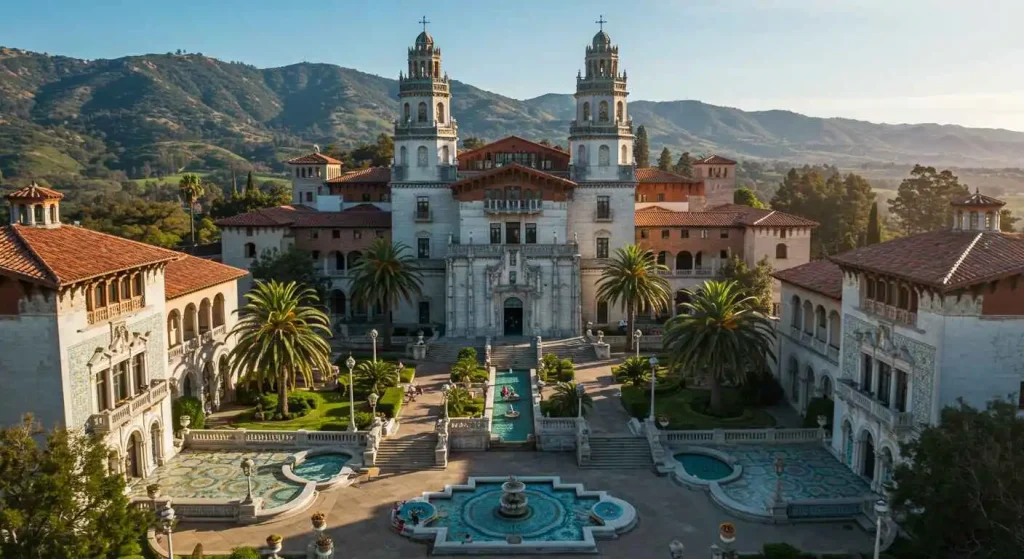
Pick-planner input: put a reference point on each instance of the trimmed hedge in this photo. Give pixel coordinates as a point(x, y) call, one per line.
point(408, 375)
point(467, 353)
point(390, 404)
point(244, 553)
point(299, 404)
point(190, 406)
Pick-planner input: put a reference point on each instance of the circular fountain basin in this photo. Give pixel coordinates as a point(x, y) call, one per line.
point(698, 466)
point(606, 511)
point(425, 512)
point(324, 467)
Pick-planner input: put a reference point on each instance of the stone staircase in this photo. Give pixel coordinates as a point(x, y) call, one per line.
point(578, 349)
point(414, 452)
point(446, 350)
point(513, 354)
point(618, 453)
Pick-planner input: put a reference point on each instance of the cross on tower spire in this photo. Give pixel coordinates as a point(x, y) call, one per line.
point(601, 21)
point(424, 21)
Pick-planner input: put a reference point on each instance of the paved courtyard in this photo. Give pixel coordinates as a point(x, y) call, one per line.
point(358, 516)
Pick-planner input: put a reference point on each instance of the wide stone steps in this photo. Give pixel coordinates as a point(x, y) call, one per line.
point(613, 453)
point(446, 350)
point(406, 454)
point(518, 356)
point(578, 350)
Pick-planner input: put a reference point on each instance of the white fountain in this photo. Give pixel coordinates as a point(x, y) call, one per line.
point(513, 499)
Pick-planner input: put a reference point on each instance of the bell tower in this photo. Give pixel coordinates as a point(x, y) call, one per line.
point(425, 132)
point(601, 135)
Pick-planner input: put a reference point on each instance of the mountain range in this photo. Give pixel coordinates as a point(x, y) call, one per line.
point(66, 115)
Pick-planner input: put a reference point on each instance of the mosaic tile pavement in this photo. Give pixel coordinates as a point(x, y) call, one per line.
point(218, 475)
point(810, 473)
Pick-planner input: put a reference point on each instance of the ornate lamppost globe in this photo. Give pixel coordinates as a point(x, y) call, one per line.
point(350, 362)
point(247, 466)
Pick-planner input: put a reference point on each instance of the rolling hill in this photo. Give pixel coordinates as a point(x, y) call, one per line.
point(61, 115)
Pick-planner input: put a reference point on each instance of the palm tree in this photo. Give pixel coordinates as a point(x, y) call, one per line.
point(458, 399)
point(635, 371)
point(720, 336)
point(190, 187)
point(386, 275)
point(376, 375)
point(464, 369)
point(565, 402)
point(281, 334)
point(632, 279)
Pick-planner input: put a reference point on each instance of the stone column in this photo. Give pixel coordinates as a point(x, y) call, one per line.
point(556, 297)
point(893, 383)
point(110, 387)
point(450, 293)
point(576, 324)
point(470, 300)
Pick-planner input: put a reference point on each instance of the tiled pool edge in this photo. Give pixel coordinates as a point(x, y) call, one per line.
point(609, 530)
point(342, 479)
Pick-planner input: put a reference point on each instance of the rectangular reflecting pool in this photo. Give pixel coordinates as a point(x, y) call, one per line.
point(519, 429)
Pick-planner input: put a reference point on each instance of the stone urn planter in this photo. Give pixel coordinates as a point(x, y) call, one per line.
point(319, 521)
point(153, 490)
point(274, 543)
point(324, 546)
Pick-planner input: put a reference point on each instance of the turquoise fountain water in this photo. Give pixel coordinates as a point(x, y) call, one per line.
point(520, 428)
point(322, 467)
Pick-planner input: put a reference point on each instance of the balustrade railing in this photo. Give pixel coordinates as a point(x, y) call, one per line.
point(513, 206)
point(113, 310)
point(530, 250)
point(109, 420)
point(548, 424)
point(721, 436)
point(902, 316)
point(881, 411)
point(248, 438)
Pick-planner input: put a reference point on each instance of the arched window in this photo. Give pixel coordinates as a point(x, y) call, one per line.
point(586, 111)
point(619, 111)
point(421, 112)
point(960, 219)
point(808, 317)
point(988, 221)
point(403, 156)
point(684, 261)
point(780, 251)
point(250, 250)
point(353, 258)
point(218, 310)
point(870, 288)
point(602, 111)
point(421, 156)
point(822, 320)
point(406, 113)
point(581, 155)
point(339, 260)
point(23, 214)
point(795, 303)
point(904, 298)
point(880, 291)
point(439, 114)
point(661, 257)
point(173, 328)
point(423, 69)
point(40, 214)
point(833, 329)
point(99, 296)
point(974, 221)
point(604, 156)
point(112, 288)
point(205, 312)
point(601, 67)
point(697, 259)
point(624, 156)
point(190, 328)
point(437, 69)
point(338, 302)
point(445, 154)
point(53, 213)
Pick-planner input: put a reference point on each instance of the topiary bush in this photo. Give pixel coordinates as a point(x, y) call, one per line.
point(244, 553)
point(190, 406)
point(390, 403)
point(467, 353)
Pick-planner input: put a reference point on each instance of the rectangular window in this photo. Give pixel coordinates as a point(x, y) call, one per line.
point(641, 197)
point(724, 233)
point(665, 233)
point(423, 248)
point(248, 231)
point(782, 233)
point(644, 234)
point(684, 234)
point(661, 196)
point(602, 312)
point(884, 380)
point(121, 381)
point(384, 198)
point(378, 234)
point(309, 196)
point(424, 312)
point(495, 233)
point(139, 372)
point(604, 207)
point(102, 403)
point(531, 233)
point(512, 257)
point(723, 254)
point(512, 278)
point(512, 233)
point(902, 390)
point(335, 233)
point(703, 233)
point(316, 255)
point(422, 207)
point(314, 234)
point(602, 247)
point(865, 373)
point(357, 234)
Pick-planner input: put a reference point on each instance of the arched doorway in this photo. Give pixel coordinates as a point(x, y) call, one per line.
point(133, 465)
point(848, 444)
point(682, 297)
point(867, 456)
point(513, 317)
point(155, 441)
point(826, 386)
point(227, 388)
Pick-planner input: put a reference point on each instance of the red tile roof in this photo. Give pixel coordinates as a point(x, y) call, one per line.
point(60, 256)
point(349, 218)
point(714, 160)
point(978, 199)
point(819, 276)
point(654, 174)
point(512, 168)
point(361, 176)
point(189, 274)
point(35, 192)
point(945, 260)
point(315, 158)
point(493, 144)
point(726, 215)
point(266, 217)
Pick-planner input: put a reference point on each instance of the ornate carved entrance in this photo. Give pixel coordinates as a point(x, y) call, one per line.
point(513, 316)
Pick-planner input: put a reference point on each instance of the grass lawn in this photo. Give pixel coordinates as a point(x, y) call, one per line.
point(678, 407)
point(331, 415)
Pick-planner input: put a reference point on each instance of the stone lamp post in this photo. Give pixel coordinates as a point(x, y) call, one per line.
point(351, 363)
point(580, 392)
point(636, 339)
point(372, 400)
point(881, 512)
point(373, 337)
point(166, 519)
point(445, 390)
point(654, 377)
point(777, 507)
point(247, 470)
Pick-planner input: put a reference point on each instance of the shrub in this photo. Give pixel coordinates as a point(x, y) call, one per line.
point(267, 401)
point(190, 406)
point(549, 367)
point(636, 401)
point(780, 551)
point(244, 553)
point(390, 403)
point(132, 548)
point(633, 371)
point(363, 420)
point(816, 407)
point(197, 551)
point(467, 353)
point(566, 371)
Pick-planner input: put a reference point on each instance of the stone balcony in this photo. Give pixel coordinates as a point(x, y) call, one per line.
point(889, 312)
point(109, 420)
point(527, 251)
point(814, 343)
point(693, 273)
point(189, 346)
point(513, 206)
point(893, 419)
point(114, 310)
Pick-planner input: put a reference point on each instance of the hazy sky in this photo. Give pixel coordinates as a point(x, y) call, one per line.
point(957, 62)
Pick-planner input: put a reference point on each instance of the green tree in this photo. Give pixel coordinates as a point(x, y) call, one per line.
point(719, 335)
point(684, 167)
point(58, 499)
point(280, 335)
point(375, 376)
point(874, 233)
point(472, 142)
point(545, 142)
point(756, 282)
point(746, 197)
point(191, 188)
point(162, 224)
point(1007, 221)
point(292, 265)
point(250, 199)
point(464, 369)
point(250, 185)
point(633, 279)
point(386, 274)
point(457, 400)
point(964, 472)
point(635, 371)
point(378, 154)
point(922, 200)
point(565, 402)
point(839, 204)
point(665, 160)
point(642, 148)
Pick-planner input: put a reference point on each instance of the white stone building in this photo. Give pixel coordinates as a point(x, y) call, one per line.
point(83, 329)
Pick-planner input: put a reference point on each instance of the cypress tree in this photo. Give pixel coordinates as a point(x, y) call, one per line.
point(684, 167)
point(874, 234)
point(665, 160)
point(250, 185)
point(641, 149)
